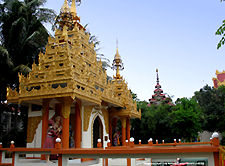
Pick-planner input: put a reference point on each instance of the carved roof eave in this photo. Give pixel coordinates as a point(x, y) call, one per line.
point(111, 101)
point(22, 98)
point(126, 113)
point(14, 99)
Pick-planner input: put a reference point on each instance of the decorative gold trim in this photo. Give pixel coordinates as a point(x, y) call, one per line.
point(66, 107)
point(86, 116)
point(32, 126)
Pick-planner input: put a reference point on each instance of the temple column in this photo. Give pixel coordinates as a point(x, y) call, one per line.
point(45, 115)
point(110, 130)
point(77, 134)
point(123, 121)
point(114, 124)
point(66, 106)
point(58, 109)
point(128, 128)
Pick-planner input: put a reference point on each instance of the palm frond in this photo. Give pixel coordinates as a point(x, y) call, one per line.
point(4, 57)
point(24, 69)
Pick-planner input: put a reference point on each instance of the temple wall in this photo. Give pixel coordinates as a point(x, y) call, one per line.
point(87, 136)
point(35, 129)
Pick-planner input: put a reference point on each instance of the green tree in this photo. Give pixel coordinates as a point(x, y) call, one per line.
point(212, 104)
point(139, 129)
point(159, 122)
point(185, 119)
point(167, 122)
point(154, 123)
point(22, 37)
point(220, 31)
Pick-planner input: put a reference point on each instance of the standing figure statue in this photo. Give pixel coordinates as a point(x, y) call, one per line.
point(57, 126)
point(49, 140)
point(53, 132)
point(116, 138)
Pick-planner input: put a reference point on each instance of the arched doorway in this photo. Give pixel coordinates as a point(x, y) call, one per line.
point(97, 131)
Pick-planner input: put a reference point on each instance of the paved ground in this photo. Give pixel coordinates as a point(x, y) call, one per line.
point(112, 162)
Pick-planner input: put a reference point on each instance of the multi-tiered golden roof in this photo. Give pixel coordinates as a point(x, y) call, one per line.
point(69, 68)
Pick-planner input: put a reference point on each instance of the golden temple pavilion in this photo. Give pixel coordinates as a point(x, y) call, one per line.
point(69, 82)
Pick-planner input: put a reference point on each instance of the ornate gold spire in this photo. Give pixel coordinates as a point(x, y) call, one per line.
point(73, 9)
point(65, 8)
point(117, 56)
point(117, 63)
point(65, 21)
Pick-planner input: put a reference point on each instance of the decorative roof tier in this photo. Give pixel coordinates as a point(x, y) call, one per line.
point(69, 68)
point(220, 79)
point(159, 97)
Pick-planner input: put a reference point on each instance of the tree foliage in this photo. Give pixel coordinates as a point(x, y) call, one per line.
point(167, 122)
point(212, 103)
point(186, 119)
point(22, 37)
point(13, 124)
point(220, 31)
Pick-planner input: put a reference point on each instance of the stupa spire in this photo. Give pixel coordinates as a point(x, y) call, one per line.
point(117, 62)
point(73, 9)
point(117, 56)
point(157, 76)
point(159, 97)
point(65, 8)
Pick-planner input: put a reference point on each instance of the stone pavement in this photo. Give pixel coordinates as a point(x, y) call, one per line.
point(112, 162)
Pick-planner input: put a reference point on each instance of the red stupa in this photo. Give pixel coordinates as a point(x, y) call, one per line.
point(159, 97)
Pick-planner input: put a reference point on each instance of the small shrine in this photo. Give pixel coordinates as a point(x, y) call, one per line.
point(159, 97)
point(68, 90)
point(220, 79)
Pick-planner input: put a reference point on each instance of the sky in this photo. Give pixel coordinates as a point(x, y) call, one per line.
point(177, 37)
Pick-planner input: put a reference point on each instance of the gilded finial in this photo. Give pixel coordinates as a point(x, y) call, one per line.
point(117, 62)
point(117, 56)
point(73, 8)
point(65, 8)
point(73, 11)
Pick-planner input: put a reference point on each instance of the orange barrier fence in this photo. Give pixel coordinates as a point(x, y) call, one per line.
point(129, 151)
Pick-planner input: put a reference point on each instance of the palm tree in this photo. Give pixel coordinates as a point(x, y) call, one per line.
point(22, 37)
